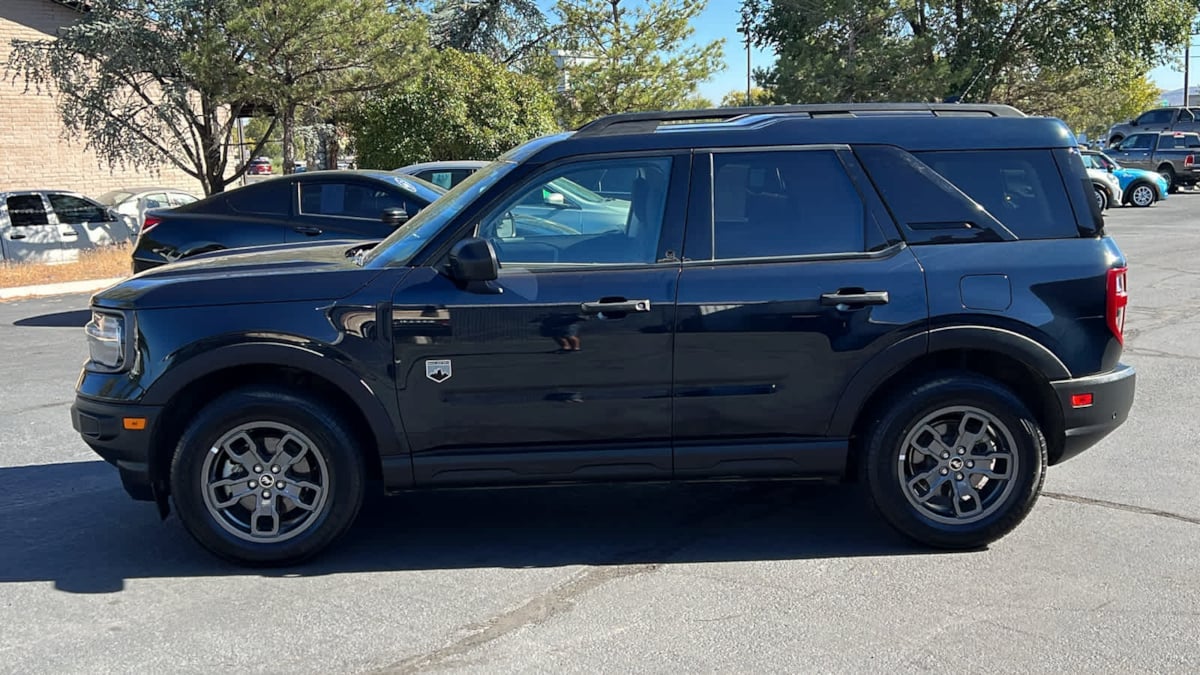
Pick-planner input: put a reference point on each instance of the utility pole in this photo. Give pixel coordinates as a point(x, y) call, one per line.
point(1187, 64)
point(744, 29)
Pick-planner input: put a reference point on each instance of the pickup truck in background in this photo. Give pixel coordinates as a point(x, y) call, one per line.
point(1171, 153)
point(55, 225)
point(1159, 119)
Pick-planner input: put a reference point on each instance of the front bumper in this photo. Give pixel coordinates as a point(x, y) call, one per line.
point(102, 426)
point(1112, 397)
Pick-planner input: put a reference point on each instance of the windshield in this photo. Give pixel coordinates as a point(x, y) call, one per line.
point(403, 244)
point(1105, 159)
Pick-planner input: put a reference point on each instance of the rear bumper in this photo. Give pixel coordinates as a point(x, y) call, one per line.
point(1083, 427)
point(102, 427)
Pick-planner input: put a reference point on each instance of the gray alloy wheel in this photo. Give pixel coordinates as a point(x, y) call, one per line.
point(1142, 195)
point(1101, 197)
point(957, 465)
point(265, 482)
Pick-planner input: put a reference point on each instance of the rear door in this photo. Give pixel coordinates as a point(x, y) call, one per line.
point(27, 231)
point(1136, 151)
point(347, 209)
point(83, 223)
point(794, 277)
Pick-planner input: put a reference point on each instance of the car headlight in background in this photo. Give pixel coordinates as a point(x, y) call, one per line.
point(106, 340)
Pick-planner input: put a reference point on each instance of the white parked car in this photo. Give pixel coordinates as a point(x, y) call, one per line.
point(54, 225)
point(135, 202)
point(1106, 187)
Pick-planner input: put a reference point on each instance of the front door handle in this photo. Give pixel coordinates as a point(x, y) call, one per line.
point(16, 236)
point(307, 229)
point(855, 297)
point(614, 307)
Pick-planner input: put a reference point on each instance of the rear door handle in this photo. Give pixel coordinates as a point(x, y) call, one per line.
point(615, 307)
point(306, 229)
point(855, 297)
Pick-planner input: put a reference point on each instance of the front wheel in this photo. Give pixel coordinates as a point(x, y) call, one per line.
point(265, 477)
point(1142, 195)
point(957, 462)
point(1101, 197)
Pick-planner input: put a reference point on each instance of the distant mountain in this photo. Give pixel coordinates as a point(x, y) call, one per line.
point(1175, 96)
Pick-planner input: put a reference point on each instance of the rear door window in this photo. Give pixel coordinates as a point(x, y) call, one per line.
point(270, 198)
point(351, 200)
point(27, 211)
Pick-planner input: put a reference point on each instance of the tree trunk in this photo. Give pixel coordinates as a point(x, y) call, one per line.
point(288, 120)
point(332, 149)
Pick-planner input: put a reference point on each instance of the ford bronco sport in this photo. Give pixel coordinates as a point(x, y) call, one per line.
point(918, 298)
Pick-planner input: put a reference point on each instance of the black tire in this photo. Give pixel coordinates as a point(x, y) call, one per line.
point(1167, 171)
point(326, 457)
point(884, 469)
point(1101, 197)
point(1141, 194)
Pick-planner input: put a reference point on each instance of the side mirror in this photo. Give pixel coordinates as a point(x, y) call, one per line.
point(1110, 168)
point(1133, 122)
point(394, 216)
point(554, 199)
point(474, 260)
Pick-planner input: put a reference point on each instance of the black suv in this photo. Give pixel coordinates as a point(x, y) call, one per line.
point(920, 298)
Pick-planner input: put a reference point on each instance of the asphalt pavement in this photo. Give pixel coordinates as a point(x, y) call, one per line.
point(1104, 576)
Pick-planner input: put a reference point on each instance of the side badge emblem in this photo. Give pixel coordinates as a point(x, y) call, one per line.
point(438, 371)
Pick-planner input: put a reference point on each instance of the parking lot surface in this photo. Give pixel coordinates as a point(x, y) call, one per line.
point(1104, 576)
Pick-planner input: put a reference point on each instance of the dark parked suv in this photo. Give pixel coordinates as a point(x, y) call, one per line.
point(917, 297)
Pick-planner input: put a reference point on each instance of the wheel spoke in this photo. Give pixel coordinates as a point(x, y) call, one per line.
point(247, 458)
point(971, 430)
point(264, 512)
point(226, 493)
point(295, 491)
point(289, 450)
point(934, 489)
point(985, 465)
point(935, 447)
point(965, 507)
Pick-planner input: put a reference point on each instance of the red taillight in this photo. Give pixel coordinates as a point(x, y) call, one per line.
point(151, 223)
point(1189, 160)
point(1117, 301)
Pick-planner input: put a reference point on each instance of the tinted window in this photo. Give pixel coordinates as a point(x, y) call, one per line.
point(72, 210)
point(1138, 142)
point(1179, 142)
point(1157, 117)
point(350, 200)
point(26, 211)
point(552, 220)
point(1021, 188)
point(271, 198)
point(783, 204)
point(446, 178)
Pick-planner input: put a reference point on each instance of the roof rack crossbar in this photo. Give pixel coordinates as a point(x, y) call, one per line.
point(643, 122)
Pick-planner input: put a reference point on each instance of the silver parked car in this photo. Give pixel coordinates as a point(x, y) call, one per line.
point(135, 202)
point(54, 225)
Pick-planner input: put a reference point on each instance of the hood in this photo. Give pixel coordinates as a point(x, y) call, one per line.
point(283, 273)
point(1134, 174)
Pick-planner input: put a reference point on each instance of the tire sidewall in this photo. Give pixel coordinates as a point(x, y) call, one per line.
point(1143, 186)
point(881, 467)
point(342, 460)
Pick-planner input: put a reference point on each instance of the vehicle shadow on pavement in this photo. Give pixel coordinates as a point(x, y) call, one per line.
point(73, 525)
point(77, 318)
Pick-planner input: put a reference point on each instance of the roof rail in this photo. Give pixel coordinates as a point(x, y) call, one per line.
point(643, 122)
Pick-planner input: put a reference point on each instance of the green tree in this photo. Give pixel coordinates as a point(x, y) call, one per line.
point(737, 98)
point(1088, 101)
point(148, 82)
point(624, 60)
point(462, 106)
point(308, 53)
point(853, 50)
point(506, 31)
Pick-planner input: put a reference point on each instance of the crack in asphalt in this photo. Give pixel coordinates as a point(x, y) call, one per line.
point(41, 406)
point(537, 610)
point(1130, 508)
point(1155, 353)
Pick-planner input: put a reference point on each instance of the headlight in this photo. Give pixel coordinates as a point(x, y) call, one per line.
point(106, 340)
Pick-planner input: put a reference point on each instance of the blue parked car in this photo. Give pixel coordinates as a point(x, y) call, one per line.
point(1139, 187)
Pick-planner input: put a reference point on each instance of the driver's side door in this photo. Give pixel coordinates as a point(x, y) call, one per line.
point(560, 369)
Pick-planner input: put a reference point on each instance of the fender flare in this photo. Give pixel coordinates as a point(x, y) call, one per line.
point(868, 380)
point(384, 431)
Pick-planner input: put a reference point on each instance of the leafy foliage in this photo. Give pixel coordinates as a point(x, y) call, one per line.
point(737, 97)
point(506, 31)
point(855, 50)
point(1088, 101)
point(462, 106)
point(147, 83)
point(631, 59)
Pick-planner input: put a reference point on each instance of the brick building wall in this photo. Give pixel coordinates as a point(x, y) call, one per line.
point(33, 150)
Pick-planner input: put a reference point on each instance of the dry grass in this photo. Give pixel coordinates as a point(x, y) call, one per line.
point(101, 263)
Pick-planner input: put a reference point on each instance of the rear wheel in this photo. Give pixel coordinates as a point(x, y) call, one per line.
point(1168, 172)
point(1142, 195)
point(264, 477)
point(957, 462)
